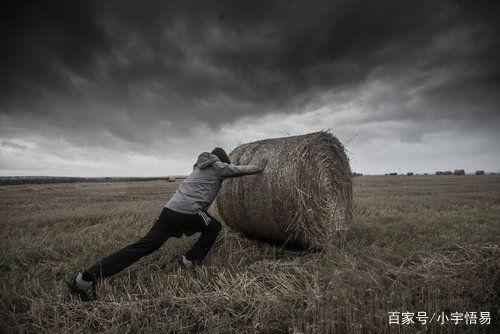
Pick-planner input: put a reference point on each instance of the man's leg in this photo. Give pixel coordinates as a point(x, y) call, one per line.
point(210, 229)
point(123, 258)
point(83, 284)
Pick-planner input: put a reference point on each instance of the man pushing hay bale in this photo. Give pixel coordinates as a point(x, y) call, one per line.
point(304, 196)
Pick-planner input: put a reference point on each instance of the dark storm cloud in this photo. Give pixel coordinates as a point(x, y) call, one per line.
point(39, 41)
point(89, 71)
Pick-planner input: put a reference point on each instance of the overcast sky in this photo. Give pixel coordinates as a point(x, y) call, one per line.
point(140, 88)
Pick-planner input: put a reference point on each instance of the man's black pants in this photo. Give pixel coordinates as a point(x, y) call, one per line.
point(169, 224)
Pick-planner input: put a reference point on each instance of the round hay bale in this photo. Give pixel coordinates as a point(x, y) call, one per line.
point(480, 172)
point(304, 195)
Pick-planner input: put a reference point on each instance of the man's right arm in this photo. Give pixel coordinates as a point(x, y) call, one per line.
point(230, 170)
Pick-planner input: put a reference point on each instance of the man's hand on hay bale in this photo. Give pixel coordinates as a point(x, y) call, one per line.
point(262, 163)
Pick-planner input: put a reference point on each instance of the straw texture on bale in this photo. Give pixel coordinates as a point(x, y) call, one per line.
point(304, 195)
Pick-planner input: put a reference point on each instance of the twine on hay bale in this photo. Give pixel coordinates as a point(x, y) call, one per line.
point(304, 195)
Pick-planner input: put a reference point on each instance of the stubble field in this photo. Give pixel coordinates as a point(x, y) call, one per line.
point(418, 244)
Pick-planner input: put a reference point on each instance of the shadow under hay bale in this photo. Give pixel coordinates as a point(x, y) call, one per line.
point(286, 246)
point(304, 195)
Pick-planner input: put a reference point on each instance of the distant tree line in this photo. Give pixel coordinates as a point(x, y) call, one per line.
point(15, 180)
point(457, 172)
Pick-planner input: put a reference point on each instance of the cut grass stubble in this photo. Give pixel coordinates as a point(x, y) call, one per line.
point(404, 252)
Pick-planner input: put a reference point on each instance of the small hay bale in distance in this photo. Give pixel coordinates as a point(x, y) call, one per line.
point(393, 174)
point(480, 172)
point(304, 195)
point(409, 174)
point(171, 179)
point(459, 172)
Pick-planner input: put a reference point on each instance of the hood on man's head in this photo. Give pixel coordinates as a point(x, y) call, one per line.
point(205, 159)
point(221, 154)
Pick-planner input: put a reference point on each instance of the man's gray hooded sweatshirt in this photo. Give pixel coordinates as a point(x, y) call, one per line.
point(200, 188)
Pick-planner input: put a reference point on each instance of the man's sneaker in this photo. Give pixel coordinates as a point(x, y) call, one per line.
point(77, 286)
point(187, 262)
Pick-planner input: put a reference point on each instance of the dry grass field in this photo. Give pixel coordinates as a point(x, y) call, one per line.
point(418, 243)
